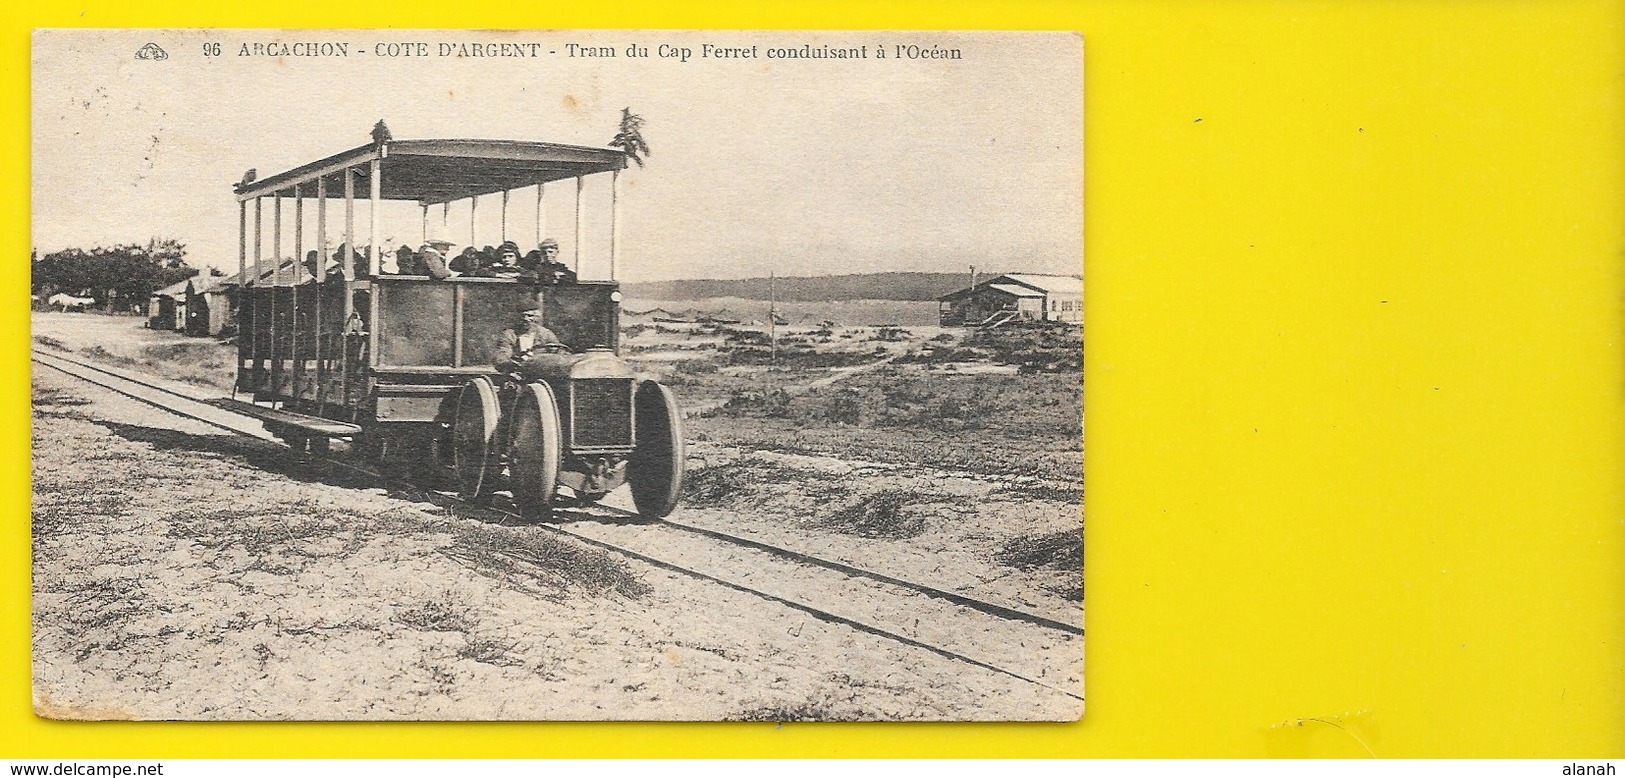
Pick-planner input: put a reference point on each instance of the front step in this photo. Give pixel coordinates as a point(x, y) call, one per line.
point(314, 425)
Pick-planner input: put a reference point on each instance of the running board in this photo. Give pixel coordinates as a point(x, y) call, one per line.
point(314, 425)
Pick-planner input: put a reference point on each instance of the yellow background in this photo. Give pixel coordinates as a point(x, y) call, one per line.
point(1354, 384)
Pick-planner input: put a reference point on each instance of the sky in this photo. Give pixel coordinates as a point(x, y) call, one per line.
point(794, 166)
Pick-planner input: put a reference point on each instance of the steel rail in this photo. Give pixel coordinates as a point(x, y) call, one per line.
point(443, 499)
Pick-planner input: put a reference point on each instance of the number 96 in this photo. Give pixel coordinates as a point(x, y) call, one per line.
point(211, 49)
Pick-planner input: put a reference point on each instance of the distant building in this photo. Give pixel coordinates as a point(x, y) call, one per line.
point(208, 305)
point(211, 302)
point(1014, 297)
point(166, 308)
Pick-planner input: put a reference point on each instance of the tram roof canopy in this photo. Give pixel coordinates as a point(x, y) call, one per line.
point(438, 171)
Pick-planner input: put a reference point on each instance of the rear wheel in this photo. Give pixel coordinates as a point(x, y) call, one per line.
point(656, 467)
point(473, 436)
point(537, 447)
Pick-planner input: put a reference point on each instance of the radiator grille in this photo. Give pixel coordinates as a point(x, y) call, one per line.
point(601, 412)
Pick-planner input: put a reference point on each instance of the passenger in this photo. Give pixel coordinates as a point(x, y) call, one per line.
point(552, 271)
point(337, 271)
point(468, 262)
point(432, 261)
point(407, 263)
point(506, 264)
point(312, 257)
point(516, 347)
point(532, 261)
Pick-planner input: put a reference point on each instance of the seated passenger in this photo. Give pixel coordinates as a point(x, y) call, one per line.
point(506, 264)
point(406, 262)
point(431, 262)
point(338, 261)
point(467, 262)
point(552, 271)
point(532, 261)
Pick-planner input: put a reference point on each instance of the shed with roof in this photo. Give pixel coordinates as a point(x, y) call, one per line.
point(166, 307)
point(1014, 297)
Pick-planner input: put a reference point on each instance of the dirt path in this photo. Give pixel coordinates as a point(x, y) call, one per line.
point(184, 573)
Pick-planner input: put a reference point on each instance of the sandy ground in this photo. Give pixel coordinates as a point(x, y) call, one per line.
point(184, 573)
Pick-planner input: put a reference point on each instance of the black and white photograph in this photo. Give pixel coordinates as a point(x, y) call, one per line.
point(557, 375)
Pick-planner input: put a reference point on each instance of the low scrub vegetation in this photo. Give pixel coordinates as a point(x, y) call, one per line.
point(1007, 424)
point(199, 362)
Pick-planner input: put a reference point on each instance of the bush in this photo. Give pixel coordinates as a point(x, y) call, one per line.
point(846, 407)
point(745, 337)
point(773, 405)
point(879, 516)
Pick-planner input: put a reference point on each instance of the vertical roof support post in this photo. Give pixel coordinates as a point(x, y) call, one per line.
point(375, 258)
point(242, 275)
point(321, 277)
point(473, 210)
point(375, 194)
point(253, 337)
point(298, 263)
point(348, 259)
point(258, 239)
point(581, 183)
point(504, 214)
point(242, 248)
point(614, 221)
point(321, 232)
point(541, 218)
point(276, 281)
point(425, 224)
point(445, 217)
point(276, 240)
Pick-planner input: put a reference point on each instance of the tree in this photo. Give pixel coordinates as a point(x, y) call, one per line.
point(124, 271)
point(630, 138)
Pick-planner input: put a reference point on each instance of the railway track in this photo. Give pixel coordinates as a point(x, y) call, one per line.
point(1031, 647)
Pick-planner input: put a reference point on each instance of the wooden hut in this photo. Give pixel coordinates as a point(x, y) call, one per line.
point(166, 307)
point(1014, 297)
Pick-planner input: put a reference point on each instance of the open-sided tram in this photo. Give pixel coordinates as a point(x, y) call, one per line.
point(335, 346)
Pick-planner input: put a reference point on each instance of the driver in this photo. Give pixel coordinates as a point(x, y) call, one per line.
point(514, 347)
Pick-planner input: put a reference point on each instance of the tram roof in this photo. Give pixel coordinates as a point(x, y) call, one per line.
point(438, 171)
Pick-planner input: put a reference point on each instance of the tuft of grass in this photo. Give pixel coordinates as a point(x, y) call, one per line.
point(438, 615)
point(442, 679)
point(49, 396)
point(276, 528)
point(528, 555)
point(51, 343)
point(1062, 550)
point(490, 651)
point(203, 363)
point(750, 483)
point(882, 515)
point(1071, 495)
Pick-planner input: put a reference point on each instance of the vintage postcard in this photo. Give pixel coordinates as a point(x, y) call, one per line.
point(552, 375)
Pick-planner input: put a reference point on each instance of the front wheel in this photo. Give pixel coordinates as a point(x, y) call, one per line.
point(473, 436)
point(537, 446)
point(657, 464)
